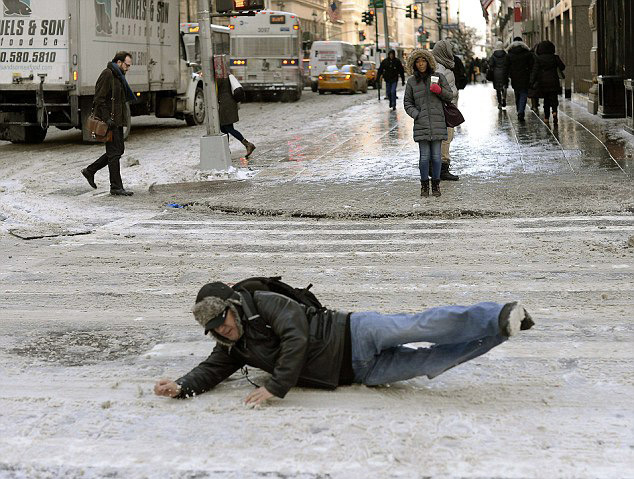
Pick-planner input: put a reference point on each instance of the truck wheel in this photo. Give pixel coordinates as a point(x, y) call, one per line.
point(32, 135)
point(128, 122)
point(321, 92)
point(198, 117)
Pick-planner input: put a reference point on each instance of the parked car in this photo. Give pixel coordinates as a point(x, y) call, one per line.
point(347, 78)
point(370, 71)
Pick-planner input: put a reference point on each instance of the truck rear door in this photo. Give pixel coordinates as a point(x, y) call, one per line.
point(34, 40)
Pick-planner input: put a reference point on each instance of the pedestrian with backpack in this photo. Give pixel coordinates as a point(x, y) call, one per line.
point(323, 348)
point(426, 91)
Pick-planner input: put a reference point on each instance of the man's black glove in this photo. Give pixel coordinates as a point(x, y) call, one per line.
point(110, 123)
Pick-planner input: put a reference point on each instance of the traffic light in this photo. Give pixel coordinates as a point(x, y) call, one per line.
point(439, 13)
point(246, 5)
point(408, 11)
point(364, 18)
point(362, 35)
point(370, 17)
point(415, 10)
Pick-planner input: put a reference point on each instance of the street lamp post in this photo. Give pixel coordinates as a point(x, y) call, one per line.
point(214, 147)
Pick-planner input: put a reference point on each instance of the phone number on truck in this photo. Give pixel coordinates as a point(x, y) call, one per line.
point(24, 57)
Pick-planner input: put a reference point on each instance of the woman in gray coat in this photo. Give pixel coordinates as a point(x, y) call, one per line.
point(425, 93)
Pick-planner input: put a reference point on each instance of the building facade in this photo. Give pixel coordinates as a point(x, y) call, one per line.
point(594, 38)
point(319, 21)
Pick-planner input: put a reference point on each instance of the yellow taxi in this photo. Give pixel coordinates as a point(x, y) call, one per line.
point(347, 78)
point(370, 71)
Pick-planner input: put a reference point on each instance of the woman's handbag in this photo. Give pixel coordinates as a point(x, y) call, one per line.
point(98, 128)
point(453, 117)
point(237, 92)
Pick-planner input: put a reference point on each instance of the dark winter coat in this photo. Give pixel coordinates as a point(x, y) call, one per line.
point(102, 102)
point(425, 107)
point(227, 106)
point(390, 69)
point(296, 346)
point(498, 65)
point(520, 61)
point(544, 76)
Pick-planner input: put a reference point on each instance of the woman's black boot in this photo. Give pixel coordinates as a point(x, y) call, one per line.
point(424, 188)
point(435, 187)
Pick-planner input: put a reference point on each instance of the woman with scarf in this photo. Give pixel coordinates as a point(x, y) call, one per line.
point(425, 92)
point(111, 94)
point(445, 63)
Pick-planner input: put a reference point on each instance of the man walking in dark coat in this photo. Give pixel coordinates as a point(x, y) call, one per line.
point(519, 66)
point(322, 348)
point(111, 94)
point(390, 69)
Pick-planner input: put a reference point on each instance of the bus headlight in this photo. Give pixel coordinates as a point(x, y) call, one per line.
point(238, 63)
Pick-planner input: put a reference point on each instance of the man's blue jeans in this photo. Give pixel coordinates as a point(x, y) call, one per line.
point(429, 151)
point(521, 97)
point(390, 91)
point(459, 333)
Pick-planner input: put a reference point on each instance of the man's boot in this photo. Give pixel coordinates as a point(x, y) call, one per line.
point(424, 188)
point(249, 146)
point(445, 175)
point(435, 187)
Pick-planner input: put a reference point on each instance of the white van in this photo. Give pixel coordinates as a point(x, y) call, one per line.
point(326, 53)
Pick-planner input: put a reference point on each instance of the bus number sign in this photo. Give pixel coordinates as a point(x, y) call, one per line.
point(278, 19)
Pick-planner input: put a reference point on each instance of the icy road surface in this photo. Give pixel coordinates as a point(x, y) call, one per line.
point(89, 322)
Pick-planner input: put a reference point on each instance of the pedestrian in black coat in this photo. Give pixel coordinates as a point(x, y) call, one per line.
point(390, 69)
point(520, 61)
point(499, 73)
point(228, 112)
point(547, 71)
point(111, 94)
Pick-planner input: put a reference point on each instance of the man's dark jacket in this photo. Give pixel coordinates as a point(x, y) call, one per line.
point(545, 77)
point(103, 97)
point(390, 69)
point(519, 65)
point(296, 348)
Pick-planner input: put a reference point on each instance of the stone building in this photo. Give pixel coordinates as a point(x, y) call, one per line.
point(319, 23)
point(594, 38)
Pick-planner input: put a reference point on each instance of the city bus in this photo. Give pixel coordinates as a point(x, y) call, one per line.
point(266, 54)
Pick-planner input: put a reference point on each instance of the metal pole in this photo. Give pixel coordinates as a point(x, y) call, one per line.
point(440, 22)
point(377, 55)
point(214, 148)
point(385, 28)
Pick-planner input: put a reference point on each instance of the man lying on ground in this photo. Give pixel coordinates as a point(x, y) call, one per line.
point(322, 348)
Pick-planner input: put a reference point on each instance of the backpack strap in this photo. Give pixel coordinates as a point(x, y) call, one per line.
point(248, 305)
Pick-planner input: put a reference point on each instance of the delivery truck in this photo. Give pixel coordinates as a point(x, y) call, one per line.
point(53, 51)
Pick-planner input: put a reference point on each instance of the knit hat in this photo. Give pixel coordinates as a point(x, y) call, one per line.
point(211, 303)
point(443, 53)
point(499, 45)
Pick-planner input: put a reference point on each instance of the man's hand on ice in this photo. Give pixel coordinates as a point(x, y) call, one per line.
point(167, 388)
point(257, 397)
